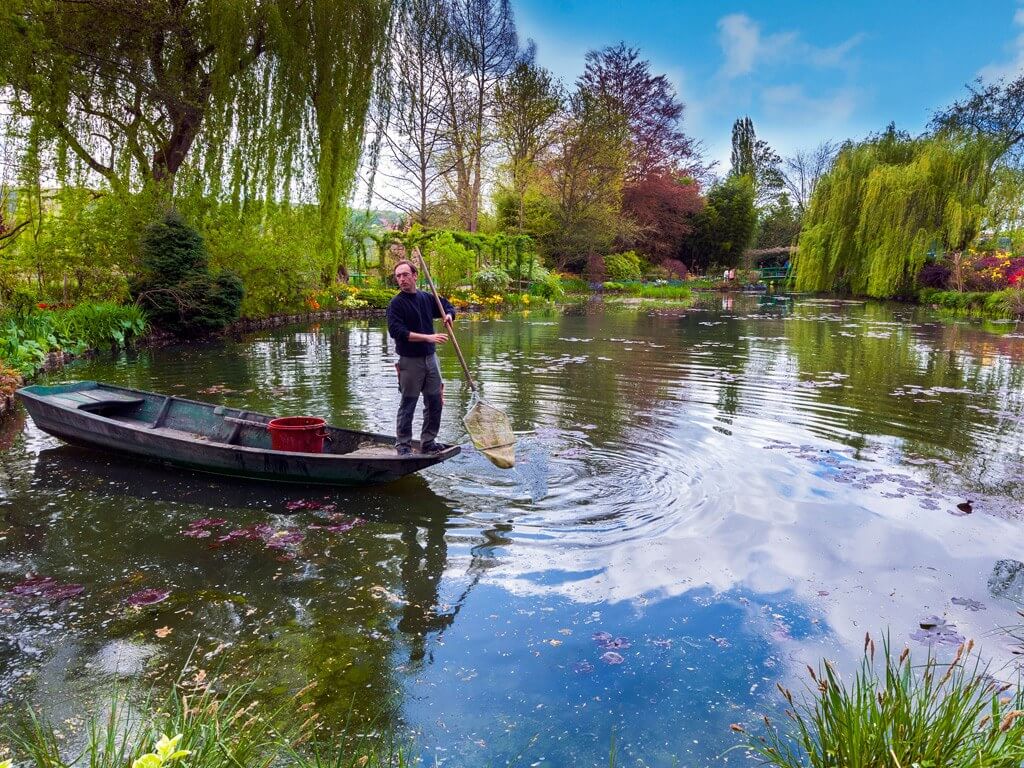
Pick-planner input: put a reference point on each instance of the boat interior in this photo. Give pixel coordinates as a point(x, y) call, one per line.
point(189, 419)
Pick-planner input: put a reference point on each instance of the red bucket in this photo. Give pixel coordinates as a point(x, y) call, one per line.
point(301, 434)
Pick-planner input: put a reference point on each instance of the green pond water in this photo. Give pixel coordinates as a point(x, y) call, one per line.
point(707, 500)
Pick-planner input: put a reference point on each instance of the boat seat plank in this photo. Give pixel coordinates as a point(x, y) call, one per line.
point(93, 400)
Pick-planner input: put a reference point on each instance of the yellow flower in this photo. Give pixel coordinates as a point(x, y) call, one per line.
point(164, 753)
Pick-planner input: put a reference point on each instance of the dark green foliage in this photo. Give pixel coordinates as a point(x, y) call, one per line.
point(753, 158)
point(176, 289)
point(725, 226)
point(779, 224)
point(1008, 303)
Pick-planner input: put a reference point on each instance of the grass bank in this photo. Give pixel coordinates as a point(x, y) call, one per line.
point(1008, 303)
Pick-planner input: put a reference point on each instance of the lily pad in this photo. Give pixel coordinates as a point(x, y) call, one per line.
point(617, 644)
point(969, 603)
point(611, 657)
point(935, 630)
point(148, 597)
point(46, 587)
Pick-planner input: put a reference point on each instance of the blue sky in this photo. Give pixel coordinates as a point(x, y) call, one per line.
point(803, 71)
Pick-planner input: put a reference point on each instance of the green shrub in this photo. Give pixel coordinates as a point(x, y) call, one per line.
point(27, 338)
point(930, 715)
point(491, 280)
point(613, 287)
point(574, 285)
point(546, 285)
point(1006, 303)
point(176, 289)
point(450, 263)
point(623, 267)
point(1011, 301)
point(378, 298)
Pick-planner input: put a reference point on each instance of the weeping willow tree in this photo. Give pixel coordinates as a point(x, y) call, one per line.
point(253, 103)
point(885, 204)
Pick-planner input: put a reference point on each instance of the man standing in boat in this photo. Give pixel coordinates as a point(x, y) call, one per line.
point(411, 316)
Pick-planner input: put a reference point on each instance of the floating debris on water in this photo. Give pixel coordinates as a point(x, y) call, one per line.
point(968, 603)
point(148, 597)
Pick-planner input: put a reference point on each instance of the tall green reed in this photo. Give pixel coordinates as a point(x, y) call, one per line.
point(935, 715)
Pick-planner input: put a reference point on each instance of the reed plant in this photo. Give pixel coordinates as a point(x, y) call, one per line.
point(934, 715)
point(195, 726)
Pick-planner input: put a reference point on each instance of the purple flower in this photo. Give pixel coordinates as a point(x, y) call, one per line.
point(63, 591)
point(293, 506)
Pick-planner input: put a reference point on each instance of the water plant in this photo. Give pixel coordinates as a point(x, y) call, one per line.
point(27, 338)
point(212, 729)
point(936, 714)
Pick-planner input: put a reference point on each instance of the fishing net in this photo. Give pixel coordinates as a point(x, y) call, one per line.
point(491, 433)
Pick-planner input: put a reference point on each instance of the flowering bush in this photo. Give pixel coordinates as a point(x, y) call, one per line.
point(990, 272)
point(973, 271)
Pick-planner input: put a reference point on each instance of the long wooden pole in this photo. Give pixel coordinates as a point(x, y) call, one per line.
point(448, 324)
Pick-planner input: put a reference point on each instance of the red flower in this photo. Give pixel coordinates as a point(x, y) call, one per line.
point(1016, 277)
point(43, 305)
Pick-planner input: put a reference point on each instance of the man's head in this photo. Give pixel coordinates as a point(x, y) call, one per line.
point(405, 276)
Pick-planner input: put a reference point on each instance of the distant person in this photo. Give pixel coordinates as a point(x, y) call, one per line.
point(411, 315)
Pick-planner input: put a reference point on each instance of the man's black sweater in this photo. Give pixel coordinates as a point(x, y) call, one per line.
point(414, 312)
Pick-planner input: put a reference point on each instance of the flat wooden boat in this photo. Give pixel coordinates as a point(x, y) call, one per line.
point(211, 438)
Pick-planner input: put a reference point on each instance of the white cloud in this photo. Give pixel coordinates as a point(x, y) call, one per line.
point(835, 108)
point(744, 47)
point(1013, 67)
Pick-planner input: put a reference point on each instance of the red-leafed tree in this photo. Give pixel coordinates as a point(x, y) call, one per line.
point(662, 207)
point(659, 194)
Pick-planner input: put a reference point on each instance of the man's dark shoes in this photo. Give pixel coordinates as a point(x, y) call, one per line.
point(434, 447)
point(403, 450)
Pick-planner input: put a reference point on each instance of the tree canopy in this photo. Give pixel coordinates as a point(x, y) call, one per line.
point(888, 201)
point(273, 92)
